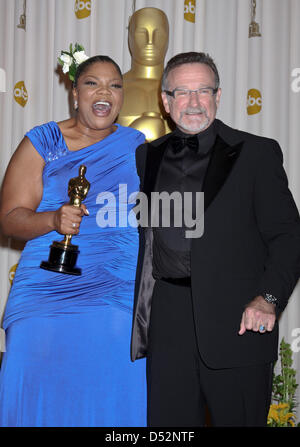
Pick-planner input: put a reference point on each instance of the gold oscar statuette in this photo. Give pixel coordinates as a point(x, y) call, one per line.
point(63, 254)
point(148, 38)
point(254, 26)
point(22, 23)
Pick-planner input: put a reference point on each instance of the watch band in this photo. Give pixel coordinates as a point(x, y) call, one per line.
point(270, 298)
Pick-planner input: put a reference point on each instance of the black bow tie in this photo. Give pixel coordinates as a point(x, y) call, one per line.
point(178, 143)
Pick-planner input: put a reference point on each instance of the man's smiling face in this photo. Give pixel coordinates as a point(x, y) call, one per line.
point(195, 112)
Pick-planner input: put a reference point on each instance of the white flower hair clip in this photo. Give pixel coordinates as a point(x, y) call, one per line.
point(71, 59)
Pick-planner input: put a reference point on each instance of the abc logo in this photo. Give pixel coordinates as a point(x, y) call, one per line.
point(20, 93)
point(12, 272)
point(189, 10)
point(254, 101)
point(296, 82)
point(82, 8)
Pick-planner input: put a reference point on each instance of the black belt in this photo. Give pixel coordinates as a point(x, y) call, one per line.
point(184, 282)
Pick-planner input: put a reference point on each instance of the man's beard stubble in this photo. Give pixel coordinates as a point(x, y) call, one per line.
point(190, 128)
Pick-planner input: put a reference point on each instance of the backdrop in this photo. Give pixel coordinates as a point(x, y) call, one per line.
point(260, 77)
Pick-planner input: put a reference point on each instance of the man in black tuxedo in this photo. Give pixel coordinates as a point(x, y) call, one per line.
point(206, 309)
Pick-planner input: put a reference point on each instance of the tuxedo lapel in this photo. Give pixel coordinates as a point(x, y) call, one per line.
point(221, 163)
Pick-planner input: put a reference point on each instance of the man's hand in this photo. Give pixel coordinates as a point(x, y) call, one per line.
point(258, 313)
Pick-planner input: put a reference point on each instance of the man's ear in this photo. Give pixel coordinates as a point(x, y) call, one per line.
point(218, 97)
point(164, 98)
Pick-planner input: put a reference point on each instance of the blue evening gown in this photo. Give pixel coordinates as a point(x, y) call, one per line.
point(67, 360)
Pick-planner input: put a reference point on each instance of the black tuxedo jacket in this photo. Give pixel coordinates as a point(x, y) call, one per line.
point(250, 245)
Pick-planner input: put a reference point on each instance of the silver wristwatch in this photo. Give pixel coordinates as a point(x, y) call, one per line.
point(270, 298)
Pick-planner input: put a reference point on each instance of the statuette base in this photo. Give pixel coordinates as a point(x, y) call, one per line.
point(62, 259)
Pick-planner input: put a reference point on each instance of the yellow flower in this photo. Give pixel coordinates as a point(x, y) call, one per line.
point(288, 418)
point(279, 416)
point(273, 414)
point(283, 406)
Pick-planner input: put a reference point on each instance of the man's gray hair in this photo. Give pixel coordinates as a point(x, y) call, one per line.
point(189, 58)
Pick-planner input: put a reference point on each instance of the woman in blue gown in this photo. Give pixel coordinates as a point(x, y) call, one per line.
point(67, 360)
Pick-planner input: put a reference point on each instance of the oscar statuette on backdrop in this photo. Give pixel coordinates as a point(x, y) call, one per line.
point(254, 26)
point(148, 38)
point(63, 255)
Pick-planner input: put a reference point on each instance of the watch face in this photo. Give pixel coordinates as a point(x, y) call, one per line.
point(270, 298)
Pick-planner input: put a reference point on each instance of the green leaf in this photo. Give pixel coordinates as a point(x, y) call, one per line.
point(78, 47)
point(72, 71)
point(284, 384)
point(66, 52)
